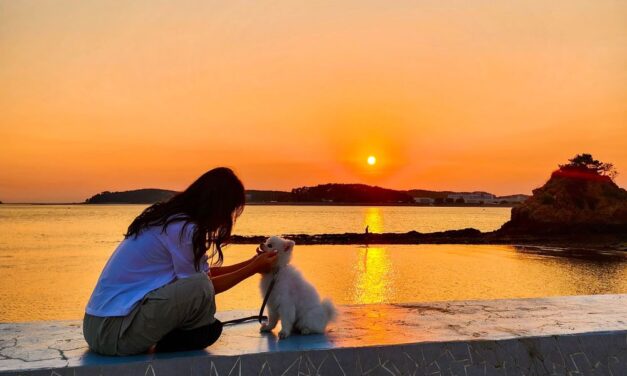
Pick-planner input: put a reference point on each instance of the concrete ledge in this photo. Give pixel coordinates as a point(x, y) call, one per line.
point(582, 335)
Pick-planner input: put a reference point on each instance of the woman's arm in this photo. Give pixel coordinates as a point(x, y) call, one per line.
point(217, 271)
point(261, 263)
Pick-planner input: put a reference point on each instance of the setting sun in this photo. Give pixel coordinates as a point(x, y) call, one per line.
point(372, 160)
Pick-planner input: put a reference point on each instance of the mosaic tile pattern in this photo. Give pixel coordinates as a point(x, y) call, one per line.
point(584, 335)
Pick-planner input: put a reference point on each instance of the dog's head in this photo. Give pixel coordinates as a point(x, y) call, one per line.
point(284, 248)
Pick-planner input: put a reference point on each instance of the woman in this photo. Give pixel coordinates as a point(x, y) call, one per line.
point(157, 288)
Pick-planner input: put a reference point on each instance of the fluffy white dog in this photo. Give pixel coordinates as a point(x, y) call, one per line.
point(293, 300)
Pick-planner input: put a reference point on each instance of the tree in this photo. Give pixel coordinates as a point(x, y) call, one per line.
point(587, 163)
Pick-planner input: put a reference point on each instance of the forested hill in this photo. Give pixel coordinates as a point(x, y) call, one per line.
point(138, 196)
point(350, 193)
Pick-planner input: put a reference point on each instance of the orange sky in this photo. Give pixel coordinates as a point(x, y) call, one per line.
point(460, 95)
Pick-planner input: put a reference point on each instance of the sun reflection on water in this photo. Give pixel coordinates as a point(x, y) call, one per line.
point(374, 220)
point(373, 272)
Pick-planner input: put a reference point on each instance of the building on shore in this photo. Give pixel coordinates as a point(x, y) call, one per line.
point(485, 198)
point(473, 197)
point(424, 200)
point(512, 199)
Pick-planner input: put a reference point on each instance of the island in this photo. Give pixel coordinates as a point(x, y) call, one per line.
point(580, 197)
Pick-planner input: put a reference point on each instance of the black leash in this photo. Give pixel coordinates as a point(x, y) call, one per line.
point(260, 316)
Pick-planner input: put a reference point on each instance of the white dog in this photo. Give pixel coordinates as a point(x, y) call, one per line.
point(293, 300)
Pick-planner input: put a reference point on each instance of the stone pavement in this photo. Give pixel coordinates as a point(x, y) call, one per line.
point(579, 335)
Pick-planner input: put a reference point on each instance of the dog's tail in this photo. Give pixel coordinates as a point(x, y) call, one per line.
point(329, 309)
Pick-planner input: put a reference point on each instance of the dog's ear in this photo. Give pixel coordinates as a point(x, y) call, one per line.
point(290, 244)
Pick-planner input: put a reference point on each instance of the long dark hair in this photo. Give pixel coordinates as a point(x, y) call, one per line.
point(212, 203)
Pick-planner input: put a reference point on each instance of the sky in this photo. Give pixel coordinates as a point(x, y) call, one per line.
point(447, 94)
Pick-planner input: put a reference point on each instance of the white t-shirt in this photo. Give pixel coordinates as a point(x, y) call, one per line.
point(142, 264)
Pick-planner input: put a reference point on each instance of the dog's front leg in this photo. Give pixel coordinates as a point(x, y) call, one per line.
point(273, 319)
point(288, 317)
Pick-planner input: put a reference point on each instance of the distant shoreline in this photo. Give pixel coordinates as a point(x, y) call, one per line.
point(329, 194)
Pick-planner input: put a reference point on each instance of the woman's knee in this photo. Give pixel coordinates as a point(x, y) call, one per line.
point(196, 302)
point(197, 285)
point(197, 290)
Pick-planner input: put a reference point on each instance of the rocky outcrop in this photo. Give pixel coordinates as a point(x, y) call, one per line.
point(573, 201)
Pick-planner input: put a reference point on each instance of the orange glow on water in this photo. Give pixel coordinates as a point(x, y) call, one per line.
point(373, 274)
point(67, 246)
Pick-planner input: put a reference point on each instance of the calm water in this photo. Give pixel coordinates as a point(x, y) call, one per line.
point(51, 256)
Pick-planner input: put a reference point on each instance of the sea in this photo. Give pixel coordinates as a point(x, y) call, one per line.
point(51, 257)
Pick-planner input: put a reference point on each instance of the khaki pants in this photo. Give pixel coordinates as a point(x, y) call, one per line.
point(184, 304)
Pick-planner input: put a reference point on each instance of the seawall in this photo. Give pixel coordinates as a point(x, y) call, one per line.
point(579, 335)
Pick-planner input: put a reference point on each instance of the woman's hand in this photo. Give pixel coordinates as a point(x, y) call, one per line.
point(264, 262)
point(261, 263)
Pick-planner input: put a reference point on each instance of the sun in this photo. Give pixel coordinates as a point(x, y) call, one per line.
point(372, 160)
